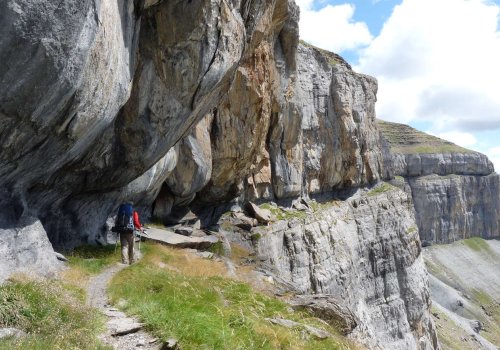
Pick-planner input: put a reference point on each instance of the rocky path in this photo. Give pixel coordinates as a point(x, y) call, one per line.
point(122, 332)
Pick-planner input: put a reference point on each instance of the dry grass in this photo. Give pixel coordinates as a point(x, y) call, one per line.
point(184, 296)
point(185, 262)
point(52, 313)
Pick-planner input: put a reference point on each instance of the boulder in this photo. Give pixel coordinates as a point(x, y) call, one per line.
point(316, 332)
point(264, 216)
point(184, 230)
point(11, 332)
point(173, 239)
point(123, 326)
point(328, 309)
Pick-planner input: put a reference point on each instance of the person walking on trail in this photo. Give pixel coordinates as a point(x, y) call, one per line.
point(125, 225)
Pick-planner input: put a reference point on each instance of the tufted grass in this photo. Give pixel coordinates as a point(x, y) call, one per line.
point(175, 297)
point(52, 313)
point(281, 214)
point(381, 188)
point(477, 244)
point(93, 259)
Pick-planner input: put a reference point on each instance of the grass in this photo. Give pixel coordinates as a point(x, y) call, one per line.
point(404, 139)
point(411, 230)
point(449, 333)
point(477, 244)
point(281, 214)
point(52, 313)
point(492, 308)
point(190, 300)
point(93, 259)
point(433, 268)
point(383, 187)
point(87, 261)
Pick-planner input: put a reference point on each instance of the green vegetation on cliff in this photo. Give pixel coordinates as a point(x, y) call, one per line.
point(404, 139)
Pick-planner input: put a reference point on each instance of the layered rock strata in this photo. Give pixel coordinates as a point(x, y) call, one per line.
point(455, 191)
point(365, 253)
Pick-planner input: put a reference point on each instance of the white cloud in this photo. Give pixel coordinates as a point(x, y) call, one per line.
point(463, 139)
point(494, 155)
point(332, 27)
point(438, 60)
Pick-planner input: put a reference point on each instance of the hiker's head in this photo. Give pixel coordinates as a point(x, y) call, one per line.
point(129, 203)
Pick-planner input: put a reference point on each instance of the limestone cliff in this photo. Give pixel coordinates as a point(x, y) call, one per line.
point(365, 253)
point(455, 191)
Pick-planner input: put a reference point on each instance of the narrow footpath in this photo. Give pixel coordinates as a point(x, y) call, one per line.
point(122, 332)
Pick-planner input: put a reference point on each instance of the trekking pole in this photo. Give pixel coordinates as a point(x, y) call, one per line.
point(116, 243)
point(140, 239)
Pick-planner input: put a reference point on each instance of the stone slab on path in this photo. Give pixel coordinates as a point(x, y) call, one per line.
point(173, 239)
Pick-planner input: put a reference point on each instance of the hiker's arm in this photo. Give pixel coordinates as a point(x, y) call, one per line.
point(137, 223)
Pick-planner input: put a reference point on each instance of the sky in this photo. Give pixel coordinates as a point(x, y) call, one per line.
point(437, 62)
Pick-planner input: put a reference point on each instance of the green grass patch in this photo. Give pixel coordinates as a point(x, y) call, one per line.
point(411, 230)
point(217, 248)
point(93, 259)
point(481, 297)
point(404, 139)
point(448, 332)
point(53, 315)
point(381, 188)
point(477, 244)
point(491, 308)
point(281, 214)
point(209, 311)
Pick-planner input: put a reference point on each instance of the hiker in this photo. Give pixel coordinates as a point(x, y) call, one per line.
point(125, 225)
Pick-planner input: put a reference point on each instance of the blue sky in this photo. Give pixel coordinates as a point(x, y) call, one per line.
point(437, 61)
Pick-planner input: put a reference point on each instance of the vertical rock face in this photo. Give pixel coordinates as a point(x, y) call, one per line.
point(291, 127)
point(324, 137)
point(455, 207)
point(366, 253)
point(455, 192)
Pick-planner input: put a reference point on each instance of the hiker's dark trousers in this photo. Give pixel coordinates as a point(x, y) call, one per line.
point(127, 242)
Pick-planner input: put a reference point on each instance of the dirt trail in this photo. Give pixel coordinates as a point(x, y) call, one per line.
point(122, 332)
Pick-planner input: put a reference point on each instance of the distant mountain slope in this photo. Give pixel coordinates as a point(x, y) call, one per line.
point(465, 289)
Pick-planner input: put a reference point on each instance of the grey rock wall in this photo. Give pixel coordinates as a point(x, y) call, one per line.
point(295, 122)
point(364, 252)
point(413, 165)
point(26, 250)
point(455, 191)
point(453, 207)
